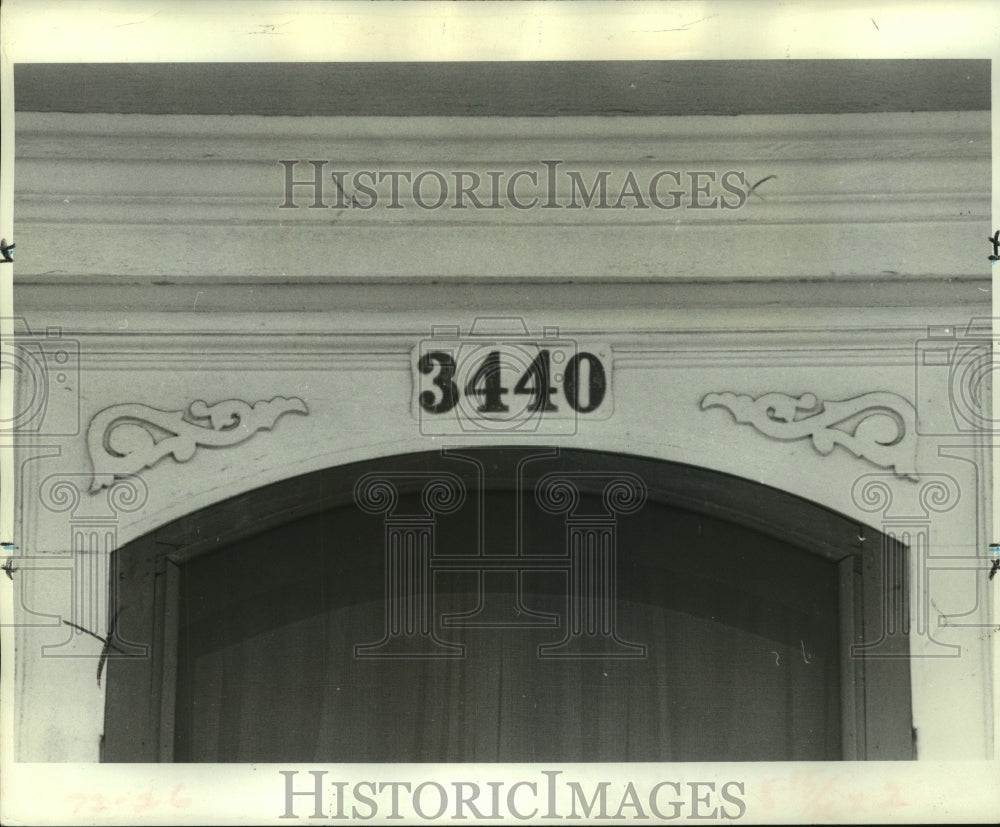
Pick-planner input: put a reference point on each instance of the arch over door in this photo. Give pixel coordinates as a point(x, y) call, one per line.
point(508, 604)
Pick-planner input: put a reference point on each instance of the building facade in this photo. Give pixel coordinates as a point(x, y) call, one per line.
point(503, 438)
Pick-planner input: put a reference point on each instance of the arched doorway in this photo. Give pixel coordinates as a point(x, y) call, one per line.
point(506, 604)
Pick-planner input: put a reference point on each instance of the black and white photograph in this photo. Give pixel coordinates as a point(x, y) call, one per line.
point(498, 411)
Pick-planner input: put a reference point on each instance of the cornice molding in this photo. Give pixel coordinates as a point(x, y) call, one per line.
point(652, 349)
point(887, 135)
point(879, 196)
point(791, 321)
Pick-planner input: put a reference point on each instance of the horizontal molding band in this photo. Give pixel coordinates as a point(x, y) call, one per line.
point(399, 363)
point(198, 355)
point(101, 191)
point(851, 196)
point(518, 252)
point(788, 210)
point(199, 138)
point(339, 306)
point(572, 87)
point(773, 330)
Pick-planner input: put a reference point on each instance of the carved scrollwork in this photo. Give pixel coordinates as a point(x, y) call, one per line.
point(879, 427)
point(124, 439)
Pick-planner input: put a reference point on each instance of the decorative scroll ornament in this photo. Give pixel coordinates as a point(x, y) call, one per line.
point(879, 427)
point(124, 439)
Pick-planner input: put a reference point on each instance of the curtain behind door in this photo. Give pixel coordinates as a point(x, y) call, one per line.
point(740, 632)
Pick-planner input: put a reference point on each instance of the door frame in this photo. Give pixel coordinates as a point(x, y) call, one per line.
point(876, 700)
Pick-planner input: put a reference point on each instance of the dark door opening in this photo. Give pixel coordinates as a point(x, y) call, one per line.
point(510, 605)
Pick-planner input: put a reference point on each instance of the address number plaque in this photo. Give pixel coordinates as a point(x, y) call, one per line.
point(487, 384)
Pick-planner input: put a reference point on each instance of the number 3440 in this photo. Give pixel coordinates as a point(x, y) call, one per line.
point(495, 381)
